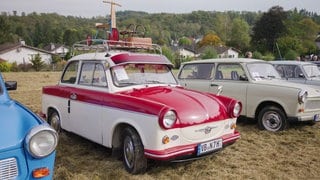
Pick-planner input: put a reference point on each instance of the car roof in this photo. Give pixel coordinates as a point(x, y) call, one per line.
point(288, 62)
point(227, 60)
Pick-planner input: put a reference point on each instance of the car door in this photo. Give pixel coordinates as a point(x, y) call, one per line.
point(196, 76)
point(85, 102)
point(233, 80)
point(229, 76)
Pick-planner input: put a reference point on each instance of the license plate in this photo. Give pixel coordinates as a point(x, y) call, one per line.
point(316, 117)
point(209, 146)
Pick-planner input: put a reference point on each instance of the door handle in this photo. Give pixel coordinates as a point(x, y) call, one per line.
point(73, 96)
point(219, 88)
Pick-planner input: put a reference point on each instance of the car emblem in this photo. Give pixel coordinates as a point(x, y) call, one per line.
point(207, 129)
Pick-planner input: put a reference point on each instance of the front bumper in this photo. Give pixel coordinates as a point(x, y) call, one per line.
point(186, 151)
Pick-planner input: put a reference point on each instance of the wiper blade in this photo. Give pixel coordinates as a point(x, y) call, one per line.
point(154, 82)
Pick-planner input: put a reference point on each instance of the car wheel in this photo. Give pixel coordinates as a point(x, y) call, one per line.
point(272, 119)
point(54, 121)
point(133, 152)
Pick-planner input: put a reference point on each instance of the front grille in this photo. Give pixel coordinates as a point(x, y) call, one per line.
point(8, 169)
point(312, 104)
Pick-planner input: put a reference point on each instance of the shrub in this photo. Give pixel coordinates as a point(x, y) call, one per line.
point(5, 67)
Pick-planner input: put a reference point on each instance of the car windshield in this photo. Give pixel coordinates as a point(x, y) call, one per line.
point(259, 71)
point(141, 74)
point(311, 71)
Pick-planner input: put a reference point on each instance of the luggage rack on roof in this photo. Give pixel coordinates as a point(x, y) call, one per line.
point(103, 45)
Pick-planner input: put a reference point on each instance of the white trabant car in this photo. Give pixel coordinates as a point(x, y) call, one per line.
point(257, 84)
point(132, 103)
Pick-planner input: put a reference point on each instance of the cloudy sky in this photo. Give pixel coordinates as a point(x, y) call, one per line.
point(91, 8)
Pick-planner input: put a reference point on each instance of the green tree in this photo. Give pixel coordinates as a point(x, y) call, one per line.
point(184, 41)
point(5, 35)
point(222, 26)
point(240, 37)
point(268, 29)
point(209, 53)
point(70, 37)
point(36, 62)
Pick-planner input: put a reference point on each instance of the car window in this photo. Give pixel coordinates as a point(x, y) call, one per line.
point(141, 74)
point(311, 70)
point(99, 76)
point(70, 73)
point(229, 71)
point(280, 70)
point(259, 71)
point(197, 71)
point(290, 71)
point(92, 74)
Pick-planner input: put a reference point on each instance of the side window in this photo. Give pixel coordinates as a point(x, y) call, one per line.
point(197, 71)
point(298, 72)
point(99, 76)
point(280, 70)
point(229, 72)
point(92, 74)
point(70, 73)
point(289, 71)
point(86, 74)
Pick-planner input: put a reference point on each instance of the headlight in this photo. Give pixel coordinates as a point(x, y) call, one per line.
point(168, 119)
point(235, 109)
point(41, 141)
point(302, 96)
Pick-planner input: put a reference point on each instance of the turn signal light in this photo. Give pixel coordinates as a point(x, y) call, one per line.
point(165, 140)
point(41, 172)
point(233, 126)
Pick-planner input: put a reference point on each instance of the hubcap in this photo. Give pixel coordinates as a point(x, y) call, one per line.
point(272, 121)
point(55, 122)
point(128, 151)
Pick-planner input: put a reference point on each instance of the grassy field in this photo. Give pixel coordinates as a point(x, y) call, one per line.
point(290, 154)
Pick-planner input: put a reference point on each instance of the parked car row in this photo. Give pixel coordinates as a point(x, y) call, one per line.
point(132, 103)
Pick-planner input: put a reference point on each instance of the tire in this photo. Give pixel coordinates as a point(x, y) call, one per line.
point(272, 119)
point(133, 152)
point(54, 121)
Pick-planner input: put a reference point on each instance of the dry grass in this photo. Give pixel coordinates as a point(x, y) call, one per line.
point(290, 154)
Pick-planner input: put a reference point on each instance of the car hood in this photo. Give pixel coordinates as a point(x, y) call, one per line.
point(192, 107)
point(15, 123)
point(312, 91)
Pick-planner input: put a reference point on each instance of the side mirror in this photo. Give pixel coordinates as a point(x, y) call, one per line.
point(301, 75)
point(11, 85)
point(243, 78)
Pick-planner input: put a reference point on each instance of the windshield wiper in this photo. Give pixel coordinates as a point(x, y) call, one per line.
point(154, 82)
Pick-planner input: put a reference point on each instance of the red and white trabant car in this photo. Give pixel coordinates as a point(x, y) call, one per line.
point(132, 103)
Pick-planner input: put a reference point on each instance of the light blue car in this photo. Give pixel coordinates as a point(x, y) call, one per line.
point(27, 143)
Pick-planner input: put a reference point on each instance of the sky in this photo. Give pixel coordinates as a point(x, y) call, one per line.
point(93, 8)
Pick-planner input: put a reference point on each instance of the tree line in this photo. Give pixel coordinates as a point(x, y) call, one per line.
point(274, 34)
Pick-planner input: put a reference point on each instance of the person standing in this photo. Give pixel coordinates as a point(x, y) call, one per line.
point(248, 54)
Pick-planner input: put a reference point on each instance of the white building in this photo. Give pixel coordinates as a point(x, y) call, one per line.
point(22, 54)
point(57, 49)
point(227, 52)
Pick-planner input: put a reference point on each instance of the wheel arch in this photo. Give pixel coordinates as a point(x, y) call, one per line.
point(268, 103)
point(117, 135)
point(50, 110)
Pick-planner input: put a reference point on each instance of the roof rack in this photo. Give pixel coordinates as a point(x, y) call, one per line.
point(103, 45)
